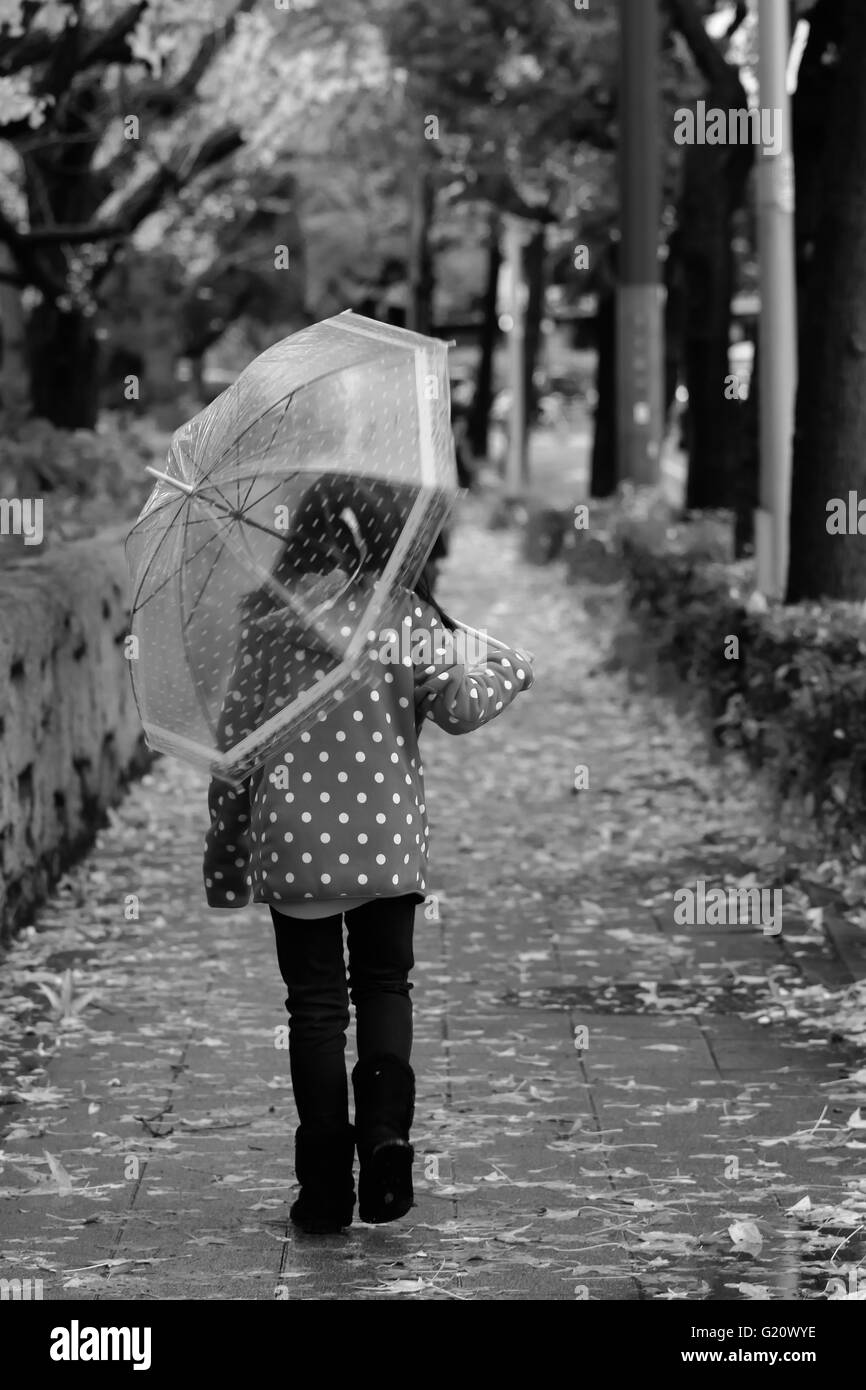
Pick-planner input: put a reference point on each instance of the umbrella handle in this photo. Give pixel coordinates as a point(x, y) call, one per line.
point(492, 641)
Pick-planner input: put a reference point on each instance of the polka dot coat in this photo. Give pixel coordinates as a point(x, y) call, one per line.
point(341, 812)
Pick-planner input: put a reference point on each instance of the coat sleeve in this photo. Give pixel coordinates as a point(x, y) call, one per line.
point(455, 685)
point(227, 845)
point(226, 866)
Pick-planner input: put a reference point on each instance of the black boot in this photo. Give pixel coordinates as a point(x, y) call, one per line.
point(323, 1167)
point(384, 1089)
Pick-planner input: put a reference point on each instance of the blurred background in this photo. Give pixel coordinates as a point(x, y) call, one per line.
point(180, 188)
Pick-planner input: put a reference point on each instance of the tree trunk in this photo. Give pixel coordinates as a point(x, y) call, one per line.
point(534, 263)
point(63, 351)
point(420, 254)
point(674, 326)
point(747, 461)
point(831, 401)
point(479, 415)
point(14, 383)
point(605, 471)
point(714, 185)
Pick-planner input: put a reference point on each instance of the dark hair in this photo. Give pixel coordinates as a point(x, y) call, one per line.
point(425, 593)
point(322, 539)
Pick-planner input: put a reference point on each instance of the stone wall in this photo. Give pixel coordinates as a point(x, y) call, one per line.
point(70, 737)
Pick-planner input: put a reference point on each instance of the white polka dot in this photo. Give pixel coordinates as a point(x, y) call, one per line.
point(342, 818)
point(290, 878)
point(362, 838)
point(381, 817)
point(307, 858)
point(325, 837)
point(380, 859)
point(360, 757)
point(362, 797)
point(344, 858)
point(362, 878)
point(323, 757)
point(326, 878)
point(288, 837)
point(306, 816)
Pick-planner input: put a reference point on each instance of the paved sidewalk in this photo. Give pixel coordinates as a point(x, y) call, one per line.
point(601, 1112)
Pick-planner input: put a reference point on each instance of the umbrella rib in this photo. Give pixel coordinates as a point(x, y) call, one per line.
point(289, 598)
point(184, 625)
point(211, 571)
point(225, 524)
point(322, 376)
point(138, 607)
point(239, 510)
point(277, 424)
point(151, 559)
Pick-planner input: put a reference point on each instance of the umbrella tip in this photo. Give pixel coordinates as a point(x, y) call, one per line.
point(188, 488)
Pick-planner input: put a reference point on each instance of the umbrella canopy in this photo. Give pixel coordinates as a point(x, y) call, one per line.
point(292, 514)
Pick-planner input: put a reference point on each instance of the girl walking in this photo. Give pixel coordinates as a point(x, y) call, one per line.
point(334, 830)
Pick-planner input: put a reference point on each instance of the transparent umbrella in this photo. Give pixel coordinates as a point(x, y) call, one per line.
point(292, 513)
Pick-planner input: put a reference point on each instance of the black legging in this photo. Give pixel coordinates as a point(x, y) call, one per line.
point(310, 955)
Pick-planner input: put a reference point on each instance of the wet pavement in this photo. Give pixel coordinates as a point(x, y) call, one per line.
point(611, 1105)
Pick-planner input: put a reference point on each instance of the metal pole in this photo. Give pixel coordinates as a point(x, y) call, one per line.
point(777, 367)
point(640, 334)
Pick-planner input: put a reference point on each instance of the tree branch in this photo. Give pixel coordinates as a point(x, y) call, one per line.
point(24, 253)
point(739, 17)
point(142, 201)
point(166, 101)
point(707, 56)
point(111, 45)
